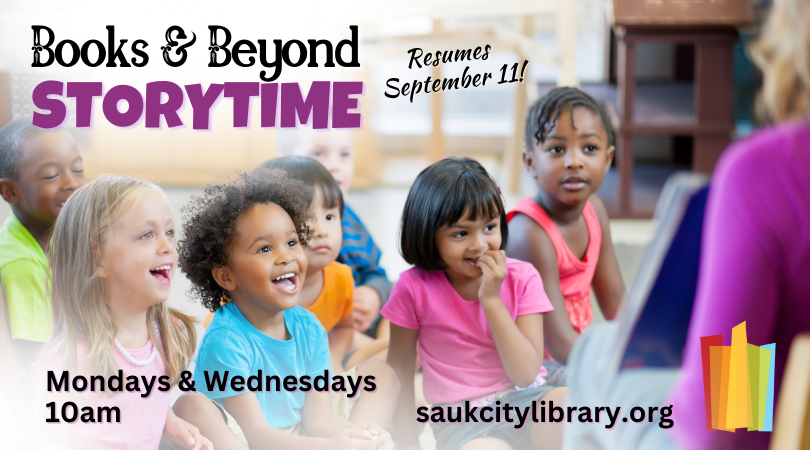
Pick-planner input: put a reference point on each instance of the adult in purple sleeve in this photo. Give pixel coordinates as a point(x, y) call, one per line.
point(755, 262)
point(756, 253)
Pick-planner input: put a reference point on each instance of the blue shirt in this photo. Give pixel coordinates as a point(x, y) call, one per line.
point(232, 344)
point(361, 254)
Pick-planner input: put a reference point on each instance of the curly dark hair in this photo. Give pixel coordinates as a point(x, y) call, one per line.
point(211, 219)
point(543, 114)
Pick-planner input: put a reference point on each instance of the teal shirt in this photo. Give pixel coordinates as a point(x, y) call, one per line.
point(25, 280)
point(232, 344)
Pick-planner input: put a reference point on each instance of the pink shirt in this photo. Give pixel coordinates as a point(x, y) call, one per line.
point(142, 419)
point(576, 275)
point(459, 358)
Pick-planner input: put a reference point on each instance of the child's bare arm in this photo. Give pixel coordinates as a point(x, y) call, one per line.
point(402, 358)
point(340, 339)
point(184, 434)
point(520, 345)
point(529, 242)
point(607, 280)
point(246, 410)
point(320, 421)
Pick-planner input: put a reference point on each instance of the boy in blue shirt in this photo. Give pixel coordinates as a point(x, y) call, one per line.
point(245, 240)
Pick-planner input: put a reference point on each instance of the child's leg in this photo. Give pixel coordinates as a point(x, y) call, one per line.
point(374, 349)
point(486, 443)
point(547, 435)
point(196, 409)
point(376, 407)
point(359, 340)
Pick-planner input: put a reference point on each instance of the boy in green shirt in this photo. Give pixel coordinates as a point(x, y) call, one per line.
point(39, 170)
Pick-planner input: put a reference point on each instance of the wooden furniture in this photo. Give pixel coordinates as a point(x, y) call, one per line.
point(669, 12)
point(711, 123)
point(792, 420)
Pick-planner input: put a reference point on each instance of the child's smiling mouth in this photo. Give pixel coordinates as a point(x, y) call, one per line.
point(472, 261)
point(162, 273)
point(287, 283)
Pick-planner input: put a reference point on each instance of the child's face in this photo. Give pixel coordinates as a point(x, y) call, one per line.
point(334, 149)
point(572, 162)
point(50, 171)
point(327, 234)
point(266, 262)
point(141, 258)
point(462, 243)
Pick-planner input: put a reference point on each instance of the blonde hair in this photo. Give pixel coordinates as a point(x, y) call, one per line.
point(782, 52)
point(80, 309)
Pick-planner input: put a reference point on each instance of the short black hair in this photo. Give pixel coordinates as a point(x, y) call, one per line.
point(12, 137)
point(543, 114)
point(311, 173)
point(211, 222)
point(441, 195)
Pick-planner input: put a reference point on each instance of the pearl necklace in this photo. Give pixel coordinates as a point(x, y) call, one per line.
point(131, 359)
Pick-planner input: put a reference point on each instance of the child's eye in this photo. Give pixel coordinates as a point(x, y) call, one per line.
point(292, 243)
point(316, 154)
point(490, 227)
point(556, 150)
point(148, 235)
point(460, 234)
point(329, 217)
point(264, 249)
point(78, 171)
point(50, 177)
point(170, 233)
point(591, 148)
point(345, 155)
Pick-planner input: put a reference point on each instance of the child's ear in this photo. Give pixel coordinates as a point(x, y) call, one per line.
point(101, 265)
point(611, 151)
point(9, 191)
point(528, 161)
point(223, 278)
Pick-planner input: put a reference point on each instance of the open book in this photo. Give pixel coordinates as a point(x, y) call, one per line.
point(654, 318)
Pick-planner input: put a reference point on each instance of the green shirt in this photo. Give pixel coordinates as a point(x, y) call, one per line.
point(24, 278)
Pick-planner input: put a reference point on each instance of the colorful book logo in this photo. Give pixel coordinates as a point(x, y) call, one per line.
point(737, 382)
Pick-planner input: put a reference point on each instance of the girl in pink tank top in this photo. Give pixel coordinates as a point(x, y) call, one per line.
point(563, 230)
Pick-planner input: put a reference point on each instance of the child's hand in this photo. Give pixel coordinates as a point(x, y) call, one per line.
point(381, 437)
point(354, 439)
point(185, 434)
point(493, 264)
point(366, 307)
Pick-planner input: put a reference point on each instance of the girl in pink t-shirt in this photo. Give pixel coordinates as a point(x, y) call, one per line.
point(475, 314)
point(112, 258)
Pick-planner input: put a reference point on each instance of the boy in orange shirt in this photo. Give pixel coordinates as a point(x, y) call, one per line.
point(328, 289)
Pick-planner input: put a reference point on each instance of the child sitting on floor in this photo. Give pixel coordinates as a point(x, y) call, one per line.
point(335, 150)
point(564, 229)
point(247, 240)
point(329, 286)
point(476, 315)
point(39, 170)
point(113, 259)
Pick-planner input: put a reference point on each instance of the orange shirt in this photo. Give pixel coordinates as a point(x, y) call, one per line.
point(336, 300)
